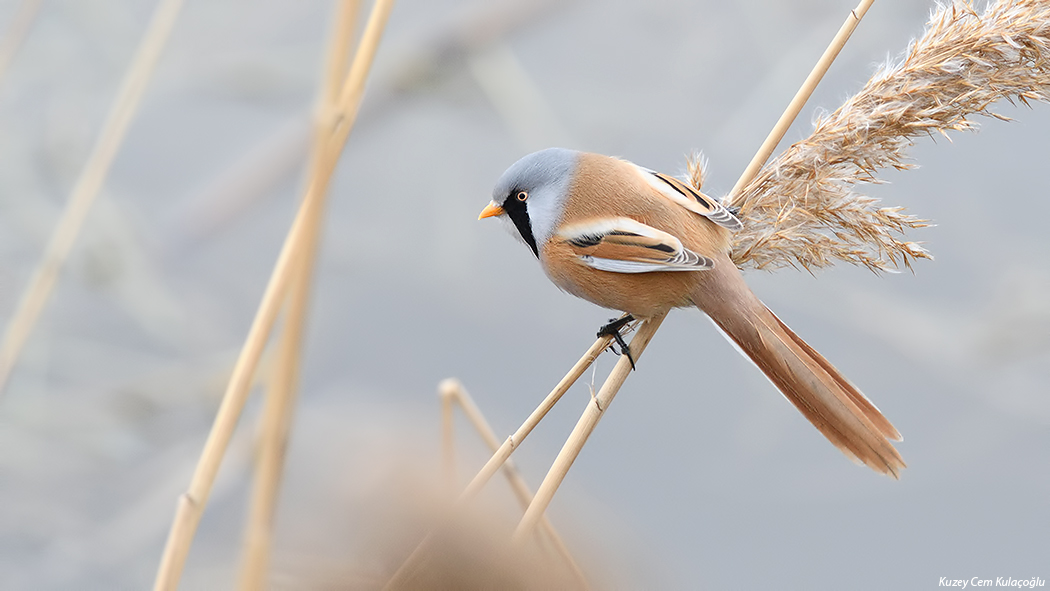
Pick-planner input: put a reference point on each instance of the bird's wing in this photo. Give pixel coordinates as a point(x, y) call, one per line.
point(690, 198)
point(624, 245)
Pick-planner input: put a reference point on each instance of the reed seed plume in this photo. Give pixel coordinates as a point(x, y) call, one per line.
point(802, 209)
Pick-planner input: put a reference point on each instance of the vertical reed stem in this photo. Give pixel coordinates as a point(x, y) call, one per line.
point(191, 504)
point(279, 408)
point(448, 397)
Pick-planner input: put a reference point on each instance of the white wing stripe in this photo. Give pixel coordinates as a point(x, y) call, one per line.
point(605, 226)
point(615, 266)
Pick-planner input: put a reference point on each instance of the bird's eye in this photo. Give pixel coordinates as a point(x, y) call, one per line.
point(521, 196)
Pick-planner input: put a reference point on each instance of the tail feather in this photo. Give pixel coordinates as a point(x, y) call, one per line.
point(827, 399)
point(863, 403)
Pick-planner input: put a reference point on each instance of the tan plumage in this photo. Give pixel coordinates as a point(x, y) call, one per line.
point(834, 406)
point(634, 240)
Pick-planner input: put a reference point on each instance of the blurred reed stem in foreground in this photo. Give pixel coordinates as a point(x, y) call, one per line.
point(279, 407)
point(333, 129)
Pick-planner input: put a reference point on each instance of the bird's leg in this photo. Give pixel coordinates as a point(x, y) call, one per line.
point(613, 329)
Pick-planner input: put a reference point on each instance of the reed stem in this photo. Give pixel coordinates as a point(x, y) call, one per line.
point(191, 503)
point(87, 187)
point(500, 457)
point(453, 391)
point(593, 413)
point(17, 32)
point(795, 106)
point(279, 408)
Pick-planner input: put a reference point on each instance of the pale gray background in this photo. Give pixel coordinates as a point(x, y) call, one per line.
point(699, 476)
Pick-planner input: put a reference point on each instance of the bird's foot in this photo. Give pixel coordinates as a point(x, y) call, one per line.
point(613, 329)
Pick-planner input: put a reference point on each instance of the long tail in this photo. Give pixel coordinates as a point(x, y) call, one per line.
point(834, 405)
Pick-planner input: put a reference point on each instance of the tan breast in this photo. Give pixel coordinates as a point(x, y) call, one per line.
point(605, 187)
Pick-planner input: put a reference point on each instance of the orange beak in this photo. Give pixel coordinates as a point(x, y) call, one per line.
point(491, 210)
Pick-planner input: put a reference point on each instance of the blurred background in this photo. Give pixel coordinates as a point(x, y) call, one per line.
point(699, 476)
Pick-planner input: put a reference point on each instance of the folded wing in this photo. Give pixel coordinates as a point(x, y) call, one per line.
point(624, 245)
point(690, 198)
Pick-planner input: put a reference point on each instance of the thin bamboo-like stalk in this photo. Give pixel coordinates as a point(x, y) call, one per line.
point(91, 179)
point(453, 390)
point(275, 425)
point(191, 503)
point(448, 397)
point(795, 106)
point(16, 33)
point(280, 399)
point(502, 454)
point(593, 413)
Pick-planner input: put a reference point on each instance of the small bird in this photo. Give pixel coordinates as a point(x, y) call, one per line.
point(631, 239)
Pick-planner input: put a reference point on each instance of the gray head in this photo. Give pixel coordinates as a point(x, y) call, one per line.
point(532, 194)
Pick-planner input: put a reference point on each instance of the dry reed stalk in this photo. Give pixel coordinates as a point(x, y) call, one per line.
point(802, 210)
point(17, 32)
point(191, 503)
point(279, 406)
point(452, 391)
point(502, 454)
point(275, 424)
point(596, 407)
point(448, 398)
point(91, 179)
point(795, 106)
point(334, 130)
point(505, 450)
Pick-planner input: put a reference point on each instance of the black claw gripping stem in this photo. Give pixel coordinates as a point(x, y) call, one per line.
point(613, 329)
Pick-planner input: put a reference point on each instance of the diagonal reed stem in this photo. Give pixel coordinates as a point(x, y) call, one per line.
point(591, 415)
point(17, 32)
point(502, 454)
point(453, 391)
point(191, 504)
point(279, 407)
point(87, 187)
point(795, 106)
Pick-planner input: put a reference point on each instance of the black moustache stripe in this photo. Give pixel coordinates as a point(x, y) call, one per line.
point(518, 214)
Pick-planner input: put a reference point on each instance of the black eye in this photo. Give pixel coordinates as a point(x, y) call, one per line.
point(521, 196)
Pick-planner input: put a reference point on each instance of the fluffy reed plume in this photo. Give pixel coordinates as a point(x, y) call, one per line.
point(802, 210)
